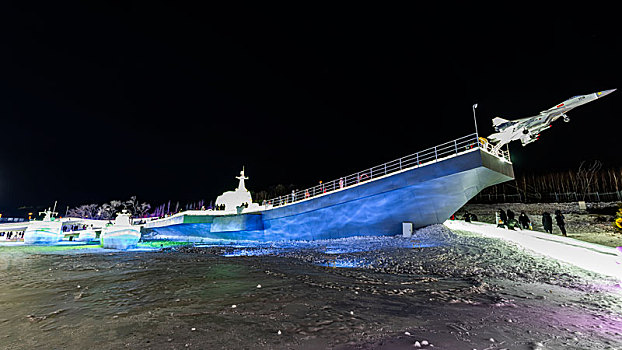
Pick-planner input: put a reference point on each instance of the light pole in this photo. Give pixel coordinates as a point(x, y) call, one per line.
point(475, 120)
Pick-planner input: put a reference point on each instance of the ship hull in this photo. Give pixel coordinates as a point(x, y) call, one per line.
point(123, 238)
point(43, 233)
point(87, 236)
point(423, 195)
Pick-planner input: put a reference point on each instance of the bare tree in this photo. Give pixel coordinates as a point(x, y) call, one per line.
point(77, 212)
point(142, 209)
point(131, 205)
point(90, 211)
point(110, 210)
point(585, 176)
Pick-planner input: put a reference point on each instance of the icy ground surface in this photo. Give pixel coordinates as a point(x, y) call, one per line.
point(440, 290)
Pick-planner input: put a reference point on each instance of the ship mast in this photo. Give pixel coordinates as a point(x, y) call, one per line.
point(241, 186)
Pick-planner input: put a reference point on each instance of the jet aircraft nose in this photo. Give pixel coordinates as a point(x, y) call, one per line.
point(606, 92)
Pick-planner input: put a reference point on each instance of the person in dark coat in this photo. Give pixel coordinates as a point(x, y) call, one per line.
point(500, 218)
point(510, 214)
point(547, 222)
point(524, 221)
point(559, 218)
point(503, 217)
point(466, 217)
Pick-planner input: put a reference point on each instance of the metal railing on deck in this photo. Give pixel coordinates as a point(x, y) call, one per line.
point(431, 155)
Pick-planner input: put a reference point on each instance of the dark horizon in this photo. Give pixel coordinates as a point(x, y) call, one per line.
point(167, 102)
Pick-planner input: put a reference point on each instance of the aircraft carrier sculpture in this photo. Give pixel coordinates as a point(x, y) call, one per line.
point(423, 188)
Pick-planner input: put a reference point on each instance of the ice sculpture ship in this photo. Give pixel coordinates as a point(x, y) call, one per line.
point(46, 231)
point(120, 235)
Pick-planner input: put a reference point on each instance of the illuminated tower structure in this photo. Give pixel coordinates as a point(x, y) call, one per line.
point(238, 198)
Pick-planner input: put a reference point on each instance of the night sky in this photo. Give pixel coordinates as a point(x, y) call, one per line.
point(168, 102)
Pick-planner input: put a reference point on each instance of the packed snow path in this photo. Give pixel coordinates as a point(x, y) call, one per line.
point(589, 256)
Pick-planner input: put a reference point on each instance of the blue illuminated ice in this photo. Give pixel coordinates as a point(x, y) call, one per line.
point(343, 263)
point(249, 252)
point(350, 252)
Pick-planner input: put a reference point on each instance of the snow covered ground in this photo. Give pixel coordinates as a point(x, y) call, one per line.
point(589, 256)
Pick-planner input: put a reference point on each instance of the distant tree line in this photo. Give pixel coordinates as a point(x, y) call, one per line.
point(137, 209)
point(109, 210)
point(272, 192)
point(170, 208)
point(589, 177)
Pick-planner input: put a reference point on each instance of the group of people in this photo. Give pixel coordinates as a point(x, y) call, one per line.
point(547, 222)
point(468, 217)
point(12, 235)
point(75, 227)
point(222, 206)
point(507, 220)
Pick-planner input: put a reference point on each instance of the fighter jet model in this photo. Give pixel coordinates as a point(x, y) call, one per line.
point(528, 130)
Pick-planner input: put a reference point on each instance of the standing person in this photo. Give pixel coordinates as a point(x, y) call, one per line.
point(504, 217)
point(559, 218)
point(524, 221)
point(511, 222)
point(500, 218)
point(547, 222)
point(466, 217)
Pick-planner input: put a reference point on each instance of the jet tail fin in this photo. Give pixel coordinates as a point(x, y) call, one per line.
point(496, 121)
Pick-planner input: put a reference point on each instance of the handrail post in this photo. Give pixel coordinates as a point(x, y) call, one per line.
point(456, 145)
point(435, 154)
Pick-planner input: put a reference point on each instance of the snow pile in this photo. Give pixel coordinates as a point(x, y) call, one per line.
point(434, 233)
point(471, 252)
